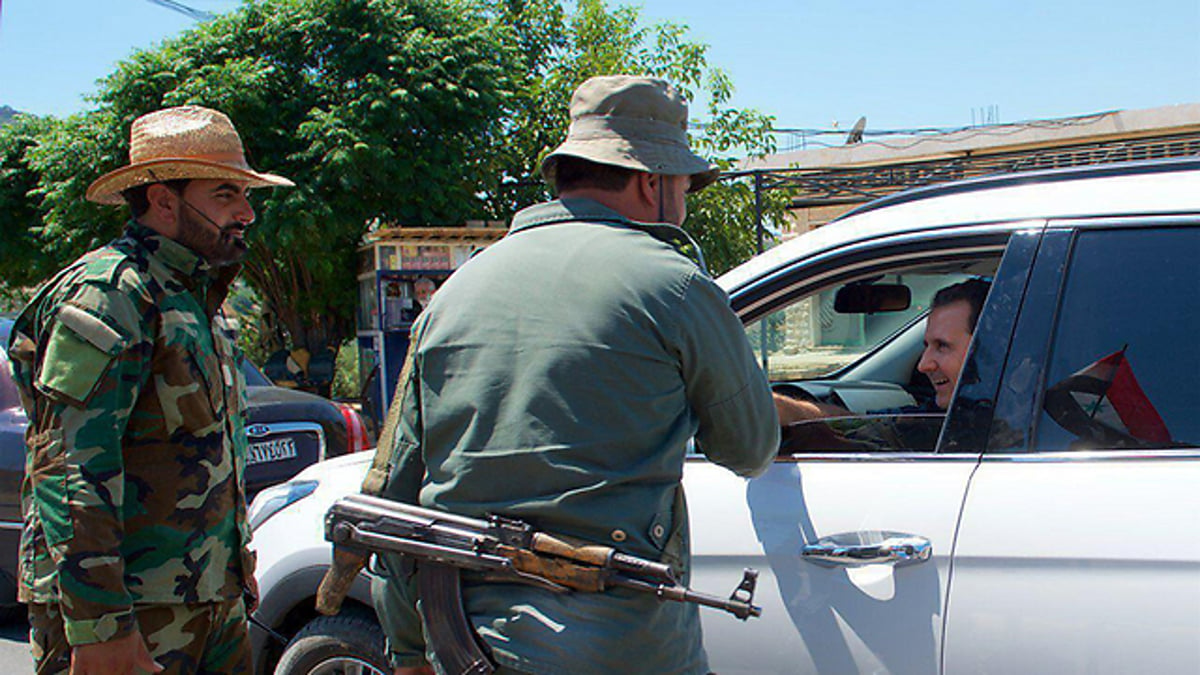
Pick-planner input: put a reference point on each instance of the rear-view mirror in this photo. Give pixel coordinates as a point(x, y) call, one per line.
point(872, 298)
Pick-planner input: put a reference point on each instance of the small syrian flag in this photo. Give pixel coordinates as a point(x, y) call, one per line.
point(1104, 398)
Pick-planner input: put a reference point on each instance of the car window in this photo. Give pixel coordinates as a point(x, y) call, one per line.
point(1124, 365)
point(852, 348)
point(899, 432)
point(254, 376)
point(808, 339)
point(9, 398)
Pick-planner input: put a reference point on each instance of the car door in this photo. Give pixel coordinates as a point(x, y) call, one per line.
point(1079, 544)
point(860, 612)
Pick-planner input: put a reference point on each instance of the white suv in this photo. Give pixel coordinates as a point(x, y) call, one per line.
point(1048, 522)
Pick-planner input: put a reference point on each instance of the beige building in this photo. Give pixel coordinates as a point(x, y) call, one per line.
point(828, 182)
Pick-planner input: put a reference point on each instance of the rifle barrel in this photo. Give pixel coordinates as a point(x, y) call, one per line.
point(738, 608)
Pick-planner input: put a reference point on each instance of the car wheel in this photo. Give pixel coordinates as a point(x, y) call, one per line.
point(12, 613)
point(336, 645)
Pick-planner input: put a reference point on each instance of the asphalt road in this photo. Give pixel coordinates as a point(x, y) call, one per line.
point(14, 648)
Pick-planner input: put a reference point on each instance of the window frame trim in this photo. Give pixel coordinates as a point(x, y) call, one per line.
point(787, 285)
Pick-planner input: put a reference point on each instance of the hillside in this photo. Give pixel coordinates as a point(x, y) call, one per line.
point(6, 114)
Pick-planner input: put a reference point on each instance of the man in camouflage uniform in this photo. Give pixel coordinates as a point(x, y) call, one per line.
point(133, 556)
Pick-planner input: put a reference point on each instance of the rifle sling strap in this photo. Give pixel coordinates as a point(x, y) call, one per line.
point(455, 645)
point(381, 464)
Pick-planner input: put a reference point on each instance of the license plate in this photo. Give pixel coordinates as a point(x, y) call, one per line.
point(270, 451)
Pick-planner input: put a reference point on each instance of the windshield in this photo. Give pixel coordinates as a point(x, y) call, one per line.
point(254, 376)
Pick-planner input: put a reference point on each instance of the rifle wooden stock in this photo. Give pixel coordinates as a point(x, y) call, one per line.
point(560, 571)
point(335, 585)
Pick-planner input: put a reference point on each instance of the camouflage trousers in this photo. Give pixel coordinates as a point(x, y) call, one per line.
point(186, 639)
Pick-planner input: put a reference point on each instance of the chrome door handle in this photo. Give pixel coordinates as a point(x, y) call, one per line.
point(851, 549)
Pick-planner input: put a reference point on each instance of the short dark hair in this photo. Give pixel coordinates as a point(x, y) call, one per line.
point(574, 173)
point(971, 291)
point(139, 203)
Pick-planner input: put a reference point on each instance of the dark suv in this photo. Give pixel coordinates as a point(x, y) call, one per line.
point(288, 430)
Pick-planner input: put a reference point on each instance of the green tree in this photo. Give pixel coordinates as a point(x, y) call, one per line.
point(562, 50)
point(23, 262)
point(409, 112)
point(379, 110)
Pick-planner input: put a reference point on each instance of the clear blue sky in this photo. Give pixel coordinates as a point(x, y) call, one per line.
point(901, 64)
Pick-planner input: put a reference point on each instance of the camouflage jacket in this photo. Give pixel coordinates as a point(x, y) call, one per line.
point(136, 445)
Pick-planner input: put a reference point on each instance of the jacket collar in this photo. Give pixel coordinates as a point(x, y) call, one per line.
point(591, 211)
point(162, 250)
point(564, 211)
point(181, 263)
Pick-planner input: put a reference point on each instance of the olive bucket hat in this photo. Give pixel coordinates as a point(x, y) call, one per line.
point(182, 142)
point(632, 122)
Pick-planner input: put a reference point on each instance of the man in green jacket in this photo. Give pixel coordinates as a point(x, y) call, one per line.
point(133, 555)
point(558, 377)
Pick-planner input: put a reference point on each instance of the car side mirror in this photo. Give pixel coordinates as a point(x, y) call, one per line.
point(872, 298)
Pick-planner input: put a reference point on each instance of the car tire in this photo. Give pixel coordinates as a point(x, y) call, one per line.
point(12, 613)
point(334, 645)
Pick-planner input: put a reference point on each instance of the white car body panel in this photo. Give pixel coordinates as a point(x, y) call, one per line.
point(869, 618)
point(836, 618)
point(275, 542)
point(1078, 565)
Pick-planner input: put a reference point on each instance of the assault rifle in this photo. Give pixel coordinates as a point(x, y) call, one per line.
point(510, 550)
point(497, 549)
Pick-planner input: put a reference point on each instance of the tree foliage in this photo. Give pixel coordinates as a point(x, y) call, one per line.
point(23, 262)
point(561, 51)
point(406, 112)
point(379, 110)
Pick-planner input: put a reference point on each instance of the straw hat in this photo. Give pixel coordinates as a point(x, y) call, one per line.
point(632, 122)
point(184, 142)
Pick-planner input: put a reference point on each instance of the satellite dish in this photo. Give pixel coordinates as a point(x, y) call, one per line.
point(856, 133)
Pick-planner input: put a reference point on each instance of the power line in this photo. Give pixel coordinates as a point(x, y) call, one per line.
point(174, 5)
point(800, 139)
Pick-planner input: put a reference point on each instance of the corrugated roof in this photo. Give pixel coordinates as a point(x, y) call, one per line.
point(1000, 138)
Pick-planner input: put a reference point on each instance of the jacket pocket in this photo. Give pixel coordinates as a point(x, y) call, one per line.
point(80, 348)
point(187, 377)
point(669, 532)
point(48, 484)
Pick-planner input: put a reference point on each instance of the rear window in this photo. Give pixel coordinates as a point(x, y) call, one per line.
point(1125, 365)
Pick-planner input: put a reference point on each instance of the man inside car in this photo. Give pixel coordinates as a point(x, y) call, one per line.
point(953, 315)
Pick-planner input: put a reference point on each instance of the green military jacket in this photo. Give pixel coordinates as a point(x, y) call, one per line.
point(558, 377)
point(136, 445)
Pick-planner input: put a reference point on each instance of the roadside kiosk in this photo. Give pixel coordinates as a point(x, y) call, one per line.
point(399, 269)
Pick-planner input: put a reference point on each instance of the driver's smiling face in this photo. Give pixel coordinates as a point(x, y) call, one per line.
point(947, 336)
